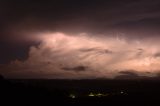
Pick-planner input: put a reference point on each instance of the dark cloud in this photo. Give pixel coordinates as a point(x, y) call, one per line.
point(11, 51)
point(81, 16)
point(107, 51)
point(157, 55)
point(97, 50)
point(140, 49)
point(130, 75)
point(76, 69)
point(89, 49)
point(128, 72)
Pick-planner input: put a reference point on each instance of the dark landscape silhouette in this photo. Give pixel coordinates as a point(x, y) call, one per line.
point(80, 92)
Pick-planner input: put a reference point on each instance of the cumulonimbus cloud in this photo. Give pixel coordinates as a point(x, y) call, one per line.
point(86, 57)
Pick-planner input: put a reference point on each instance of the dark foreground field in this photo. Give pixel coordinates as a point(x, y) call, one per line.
point(80, 92)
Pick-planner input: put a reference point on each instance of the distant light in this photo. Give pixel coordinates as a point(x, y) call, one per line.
point(121, 92)
point(99, 94)
point(91, 94)
point(72, 96)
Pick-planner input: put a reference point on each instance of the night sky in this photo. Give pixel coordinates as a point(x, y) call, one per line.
point(80, 39)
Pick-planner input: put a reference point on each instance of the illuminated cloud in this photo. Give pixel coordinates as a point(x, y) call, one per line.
point(60, 55)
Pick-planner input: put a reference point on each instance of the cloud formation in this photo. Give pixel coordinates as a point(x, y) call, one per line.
point(64, 56)
point(139, 18)
point(77, 69)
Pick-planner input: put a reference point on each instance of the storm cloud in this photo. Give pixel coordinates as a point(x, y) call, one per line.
point(79, 39)
point(64, 56)
point(137, 19)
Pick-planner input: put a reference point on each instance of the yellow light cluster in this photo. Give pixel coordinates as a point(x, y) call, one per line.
point(91, 94)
